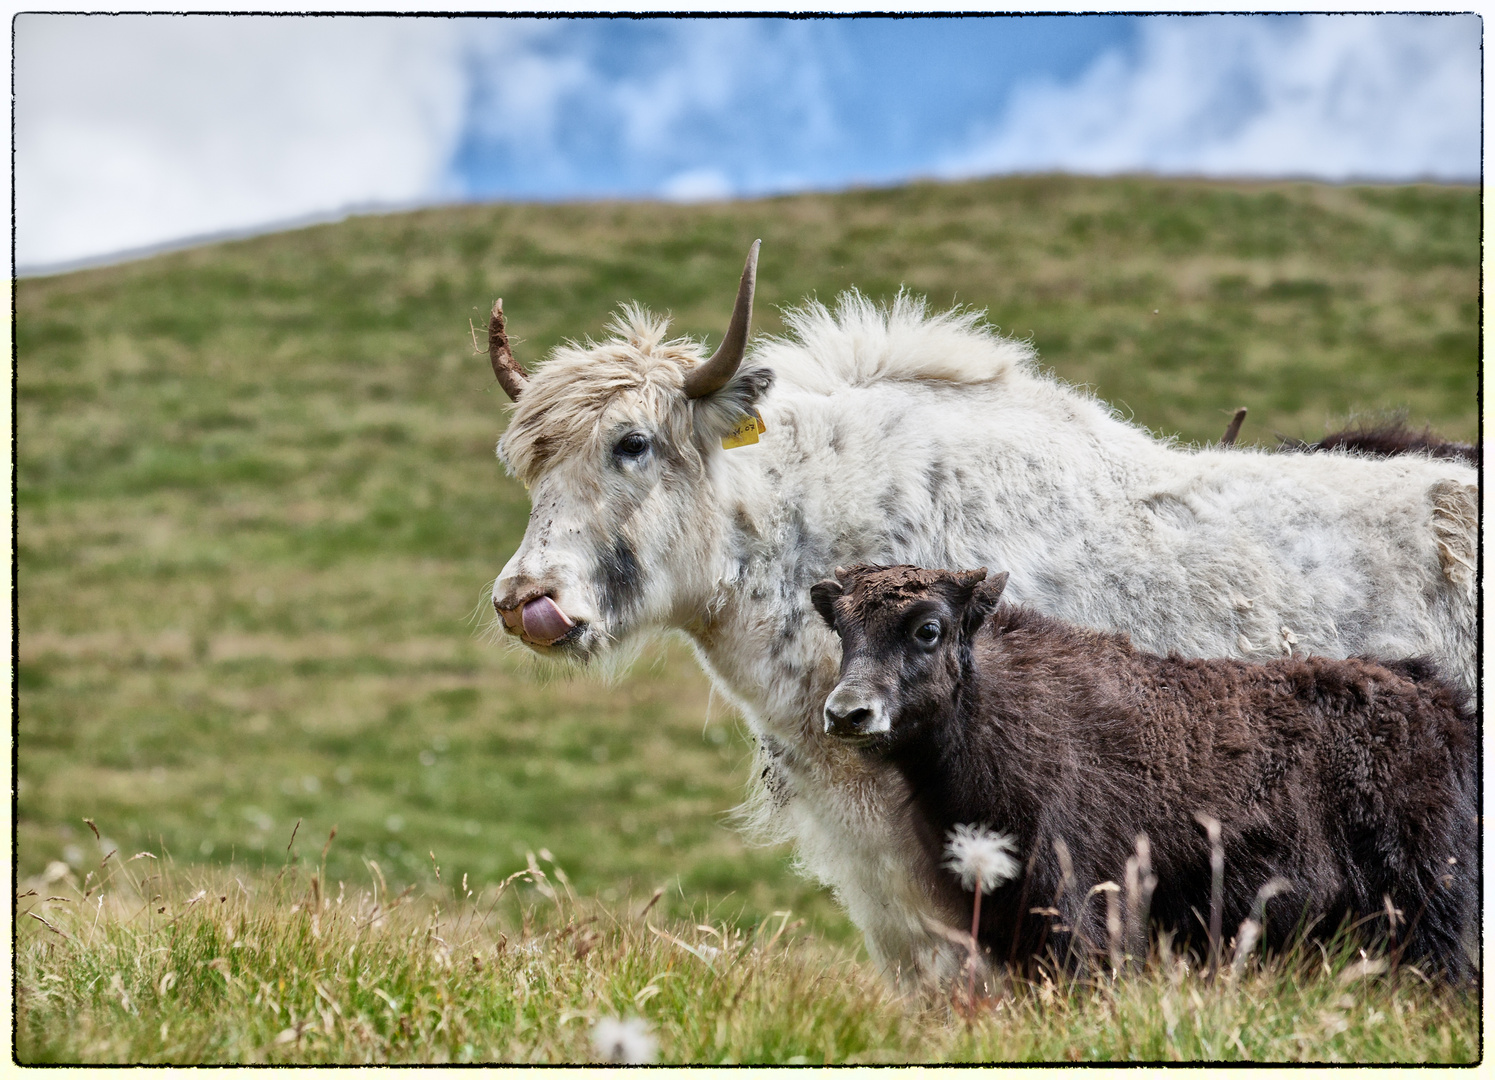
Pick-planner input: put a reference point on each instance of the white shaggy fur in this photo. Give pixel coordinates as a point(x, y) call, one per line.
point(898, 437)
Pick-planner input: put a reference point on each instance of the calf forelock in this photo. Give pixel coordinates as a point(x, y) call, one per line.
point(874, 588)
point(582, 389)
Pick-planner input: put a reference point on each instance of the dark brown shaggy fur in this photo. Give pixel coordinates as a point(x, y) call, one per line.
point(1393, 438)
point(1354, 780)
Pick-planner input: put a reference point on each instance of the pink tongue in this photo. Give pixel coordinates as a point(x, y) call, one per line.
point(544, 622)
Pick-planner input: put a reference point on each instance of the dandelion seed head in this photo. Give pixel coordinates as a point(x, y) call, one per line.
point(980, 855)
point(624, 1042)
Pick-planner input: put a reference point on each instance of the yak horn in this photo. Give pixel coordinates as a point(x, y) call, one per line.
point(1234, 428)
point(510, 375)
point(715, 373)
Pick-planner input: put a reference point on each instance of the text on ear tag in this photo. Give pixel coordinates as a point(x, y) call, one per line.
point(746, 432)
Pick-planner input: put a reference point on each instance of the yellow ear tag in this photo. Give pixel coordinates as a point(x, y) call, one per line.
point(746, 432)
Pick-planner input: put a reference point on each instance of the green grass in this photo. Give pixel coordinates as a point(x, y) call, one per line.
point(258, 508)
point(156, 966)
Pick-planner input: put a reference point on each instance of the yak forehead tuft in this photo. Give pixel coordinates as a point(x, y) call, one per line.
point(875, 587)
point(583, 388)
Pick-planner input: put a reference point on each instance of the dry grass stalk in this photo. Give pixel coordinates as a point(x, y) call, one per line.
point(1113, 921)
point(1140, 883)
point(1217, 886)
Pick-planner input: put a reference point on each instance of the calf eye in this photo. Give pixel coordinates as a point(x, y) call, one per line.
point(928, 633)
point(632, 445)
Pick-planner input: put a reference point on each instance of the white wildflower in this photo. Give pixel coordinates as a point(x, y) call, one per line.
point(624, 1042)
point(979, 855)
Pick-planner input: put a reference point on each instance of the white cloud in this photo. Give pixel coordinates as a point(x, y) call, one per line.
point(1336, 97)
point(660, 108)
point(697, 185)
point(536, 78)
point(138, 130)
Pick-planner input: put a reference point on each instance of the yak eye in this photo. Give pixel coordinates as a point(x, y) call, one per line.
point(632, 445)
point(928, 633)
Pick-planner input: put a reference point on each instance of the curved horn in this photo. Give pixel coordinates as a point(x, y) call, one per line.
point(715, 373)
point(510, 375)
point(1234, 428)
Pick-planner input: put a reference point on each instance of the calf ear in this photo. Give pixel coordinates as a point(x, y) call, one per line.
point(983, 601)
point(990, 590)
point(823, 595)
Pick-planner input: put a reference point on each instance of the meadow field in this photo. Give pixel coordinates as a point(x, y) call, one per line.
point(258, 513)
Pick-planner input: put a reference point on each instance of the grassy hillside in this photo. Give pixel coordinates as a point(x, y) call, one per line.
point(259, 509)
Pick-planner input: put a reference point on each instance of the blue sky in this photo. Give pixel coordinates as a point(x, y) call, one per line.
point(139, 131)
point(791, 103)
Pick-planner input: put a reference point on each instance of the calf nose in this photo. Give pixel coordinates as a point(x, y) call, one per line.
point(852, 722)
point(849, 714)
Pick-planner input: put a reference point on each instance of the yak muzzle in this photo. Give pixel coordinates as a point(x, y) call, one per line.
point(539, 621)
point(854, 714)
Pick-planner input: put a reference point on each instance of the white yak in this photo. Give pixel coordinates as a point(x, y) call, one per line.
point(897, 436)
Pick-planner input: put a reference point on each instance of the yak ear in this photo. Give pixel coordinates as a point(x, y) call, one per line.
point(990, 590)
point(984, 596)
point(823, 594)
point(720, 411)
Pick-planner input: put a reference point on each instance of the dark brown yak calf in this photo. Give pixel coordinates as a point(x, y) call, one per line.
point(1353, 780)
